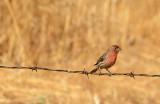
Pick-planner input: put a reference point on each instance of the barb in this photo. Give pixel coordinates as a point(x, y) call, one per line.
point(36, 68)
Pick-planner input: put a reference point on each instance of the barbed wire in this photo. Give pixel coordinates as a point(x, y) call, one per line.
point(36, 68)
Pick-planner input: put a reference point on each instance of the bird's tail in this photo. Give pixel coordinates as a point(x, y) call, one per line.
point(94, 70)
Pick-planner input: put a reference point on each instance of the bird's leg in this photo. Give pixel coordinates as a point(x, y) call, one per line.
point(99, 71)
point(108, 72)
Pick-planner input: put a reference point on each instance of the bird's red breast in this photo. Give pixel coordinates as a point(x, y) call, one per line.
point(111, 58)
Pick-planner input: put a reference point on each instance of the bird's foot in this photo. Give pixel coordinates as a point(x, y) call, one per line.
point(109, 72)
point(100, 73)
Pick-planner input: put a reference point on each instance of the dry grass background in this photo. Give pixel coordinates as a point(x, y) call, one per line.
point(72, 34)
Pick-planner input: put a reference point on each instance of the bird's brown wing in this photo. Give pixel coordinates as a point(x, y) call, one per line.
point(101, 58)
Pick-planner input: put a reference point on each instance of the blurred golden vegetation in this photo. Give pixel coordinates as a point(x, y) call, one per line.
point(73, 34)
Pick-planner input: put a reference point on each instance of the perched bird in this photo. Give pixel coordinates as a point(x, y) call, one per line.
point(107, 59)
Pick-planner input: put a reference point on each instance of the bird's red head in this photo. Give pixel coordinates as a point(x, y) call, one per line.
point(115, 48)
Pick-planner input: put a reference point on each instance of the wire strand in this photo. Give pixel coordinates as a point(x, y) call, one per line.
point(36, 68)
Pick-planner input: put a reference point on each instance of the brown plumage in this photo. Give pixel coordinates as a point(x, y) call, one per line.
point(108, 59)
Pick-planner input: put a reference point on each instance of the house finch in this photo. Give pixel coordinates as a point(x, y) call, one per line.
point(107, 59)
